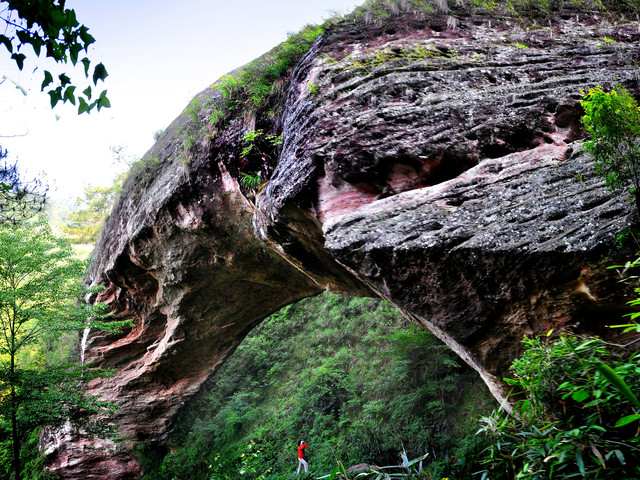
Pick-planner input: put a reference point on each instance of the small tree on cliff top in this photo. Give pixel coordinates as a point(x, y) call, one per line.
point(613, 121)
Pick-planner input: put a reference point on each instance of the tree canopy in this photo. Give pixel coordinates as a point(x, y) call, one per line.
point(40, 284)
point(85, 222)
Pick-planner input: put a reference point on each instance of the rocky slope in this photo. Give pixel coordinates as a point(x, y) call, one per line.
point(430, 160)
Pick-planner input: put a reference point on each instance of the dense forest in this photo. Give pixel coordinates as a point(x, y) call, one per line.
point(351, 377)
point(366, 389)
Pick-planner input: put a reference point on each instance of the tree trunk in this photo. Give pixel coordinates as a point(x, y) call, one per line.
point(14, 423)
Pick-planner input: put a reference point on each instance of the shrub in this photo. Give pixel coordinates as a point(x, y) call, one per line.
point(613, 121)
point(571, 418)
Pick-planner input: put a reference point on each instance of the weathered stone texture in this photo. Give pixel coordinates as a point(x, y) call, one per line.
point(437, 168)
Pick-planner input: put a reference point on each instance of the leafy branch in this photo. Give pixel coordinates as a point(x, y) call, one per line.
point(47, 26)
point(613, 121)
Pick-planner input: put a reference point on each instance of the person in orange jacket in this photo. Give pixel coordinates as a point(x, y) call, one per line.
point(301, 461)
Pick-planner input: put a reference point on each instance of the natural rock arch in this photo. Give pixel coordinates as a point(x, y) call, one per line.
point(446, 186)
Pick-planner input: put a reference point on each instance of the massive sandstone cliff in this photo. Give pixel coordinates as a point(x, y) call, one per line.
point(432, 161)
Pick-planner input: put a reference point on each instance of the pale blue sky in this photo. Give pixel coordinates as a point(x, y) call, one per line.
point(159, 54)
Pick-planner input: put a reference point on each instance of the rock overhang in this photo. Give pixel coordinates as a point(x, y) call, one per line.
point(446, 179)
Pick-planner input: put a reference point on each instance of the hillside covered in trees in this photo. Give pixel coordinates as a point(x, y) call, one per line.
point(351, 377)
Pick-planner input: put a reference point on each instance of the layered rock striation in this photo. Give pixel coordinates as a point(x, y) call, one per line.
point(434, 162)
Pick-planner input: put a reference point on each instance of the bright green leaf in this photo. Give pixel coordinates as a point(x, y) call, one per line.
point(87, 92)
point(617, 382)
point(626, 420)
point(580, 396)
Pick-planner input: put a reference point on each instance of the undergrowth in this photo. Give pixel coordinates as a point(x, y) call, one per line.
point(576, 417)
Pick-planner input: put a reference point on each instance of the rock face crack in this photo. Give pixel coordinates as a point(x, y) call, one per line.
point(440, 169)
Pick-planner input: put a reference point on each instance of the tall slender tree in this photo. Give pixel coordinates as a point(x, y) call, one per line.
point(40, 282)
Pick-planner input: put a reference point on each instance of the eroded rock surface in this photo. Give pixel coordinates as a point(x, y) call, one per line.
point(436, 167)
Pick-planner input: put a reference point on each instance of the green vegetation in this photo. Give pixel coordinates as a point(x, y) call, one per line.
point(613, 121)
point(255, 93)
point(348, 375)
point(143, 171)
point(256, 141)
point(47, 26)
point(260, 85)
point(18, 199)
point(576, 413)
point(313, 88)
point(157, 134)
point(577, 417)
point(383, 10)
point(362, 387)
point(256, 90)
point(251, 183)
point(85, 222)
point(368, 60)
point(40, 285)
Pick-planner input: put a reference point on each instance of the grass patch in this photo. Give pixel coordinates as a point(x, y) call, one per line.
point(260, 85)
